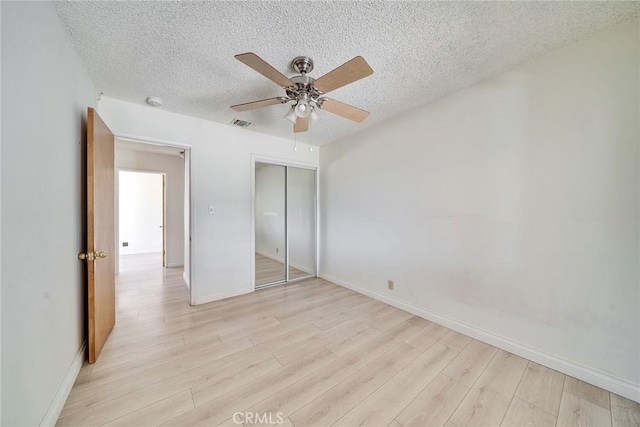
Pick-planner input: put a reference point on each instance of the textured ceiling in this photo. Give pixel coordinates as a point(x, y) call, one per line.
point(419, 51)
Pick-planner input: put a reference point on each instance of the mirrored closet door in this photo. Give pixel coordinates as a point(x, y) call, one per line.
point(285, 224)
point(301, 219)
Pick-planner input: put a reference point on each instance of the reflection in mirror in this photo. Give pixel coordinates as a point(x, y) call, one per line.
point(301, 219)
point(270, 244)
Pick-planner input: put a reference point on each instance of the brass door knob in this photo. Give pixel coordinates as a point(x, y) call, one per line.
point(88, 256)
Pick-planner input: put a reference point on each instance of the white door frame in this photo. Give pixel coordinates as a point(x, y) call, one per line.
point(188, 156)
point(257, 158)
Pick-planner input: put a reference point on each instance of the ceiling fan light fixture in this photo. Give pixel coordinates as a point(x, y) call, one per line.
point(303, 109)
point(291, 115)
point(314, 116)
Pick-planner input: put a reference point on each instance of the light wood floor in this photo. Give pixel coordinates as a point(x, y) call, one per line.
point(270, 271)
point(317, 354)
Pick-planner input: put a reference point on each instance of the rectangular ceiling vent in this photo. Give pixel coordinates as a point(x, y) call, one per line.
point(241, 123)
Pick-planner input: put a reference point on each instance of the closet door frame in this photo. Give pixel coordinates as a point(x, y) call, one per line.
point(255, 158)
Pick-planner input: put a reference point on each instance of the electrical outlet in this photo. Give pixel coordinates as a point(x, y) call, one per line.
point(125, 244)
point(390, 284)
point(277, 250)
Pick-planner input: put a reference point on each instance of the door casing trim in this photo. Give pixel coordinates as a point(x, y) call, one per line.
point(188, 159)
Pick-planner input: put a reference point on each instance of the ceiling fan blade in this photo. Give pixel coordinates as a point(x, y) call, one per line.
point(258, 104)
point(348, 72)
point(260, 65)
point(343, 110)
point(302, 125)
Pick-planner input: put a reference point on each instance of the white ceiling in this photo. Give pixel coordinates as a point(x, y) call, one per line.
point(419, 51)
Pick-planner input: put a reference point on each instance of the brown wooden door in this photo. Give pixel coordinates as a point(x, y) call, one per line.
point(100, 233)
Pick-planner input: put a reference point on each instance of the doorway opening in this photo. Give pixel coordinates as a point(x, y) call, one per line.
point(152, 207)
point(141, 219)
point(285, 216)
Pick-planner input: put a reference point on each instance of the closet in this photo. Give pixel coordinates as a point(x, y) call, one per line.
point(285, 223)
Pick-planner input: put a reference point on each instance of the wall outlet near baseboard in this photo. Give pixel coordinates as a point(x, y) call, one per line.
point(390, 284)
point(125, 244)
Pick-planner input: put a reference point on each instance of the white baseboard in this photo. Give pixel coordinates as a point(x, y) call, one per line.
point(592, 376)
point(174, 265)
point(186, 279)
point(51, 417)
point(220, 295)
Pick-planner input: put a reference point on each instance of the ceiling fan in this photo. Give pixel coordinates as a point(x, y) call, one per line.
point(307, 93)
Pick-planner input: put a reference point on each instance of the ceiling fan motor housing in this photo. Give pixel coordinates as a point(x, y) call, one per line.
point(302, 64)
point(303, 84)
point(304, 90)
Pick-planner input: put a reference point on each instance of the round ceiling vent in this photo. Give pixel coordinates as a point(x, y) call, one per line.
point(154, 101)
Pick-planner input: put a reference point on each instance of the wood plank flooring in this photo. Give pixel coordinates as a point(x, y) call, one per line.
point(311, 354)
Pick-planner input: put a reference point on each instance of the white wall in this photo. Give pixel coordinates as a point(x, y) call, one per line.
point(174, 168)
point(220, 176)
point(46, 92)
point(140, 212)
point(270, 207)
point(510, 209)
